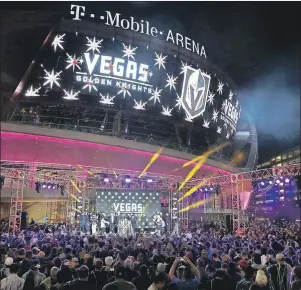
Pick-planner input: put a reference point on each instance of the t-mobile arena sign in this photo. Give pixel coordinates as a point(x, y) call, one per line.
point(142, 26)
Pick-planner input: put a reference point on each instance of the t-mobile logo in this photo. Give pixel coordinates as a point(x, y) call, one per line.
point(78, 11)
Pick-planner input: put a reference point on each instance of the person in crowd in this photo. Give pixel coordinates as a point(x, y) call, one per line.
point(98, 277)
point(120, 280)
point(280, 274)
point(25, 264)
point(233, 277)
point(159, 282)
point(142, 282)
point(60, 283)
point(49, 281)
point(33, 276)
point(188, 282)
point(246, 282)
point(296, 284)
point(12, 282)
point(261, 281)
point(219, 281)
point(82, 282)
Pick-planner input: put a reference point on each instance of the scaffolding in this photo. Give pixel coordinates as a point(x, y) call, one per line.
point(66, 210)
point(16, 202)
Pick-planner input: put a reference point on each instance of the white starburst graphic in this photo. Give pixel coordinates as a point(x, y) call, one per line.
point(228, 135)
point(52, 78)
point(166, 111)
point(236, 104)
point(70, 95)
point(140, 105)
point(155, 95)
point(171, 82)
point(231, 95)
point(160, 60)
point(31, 92)
point(220, 87)
point(188, 119)
point(57, 42)
point(129, 51)
point(219, 130)
point(214, 115)
point(179, 104)
point(224, 104)
point(210, 98)
point(206, 123)
point(184, 67)
point(124, 91)
point(93, 44)
point(107, 100)
point(73, 61)
point(90, 85)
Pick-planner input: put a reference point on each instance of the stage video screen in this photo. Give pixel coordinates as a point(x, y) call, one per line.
point(140, 206)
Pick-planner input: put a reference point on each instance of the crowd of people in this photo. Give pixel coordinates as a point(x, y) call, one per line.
point(266, 257)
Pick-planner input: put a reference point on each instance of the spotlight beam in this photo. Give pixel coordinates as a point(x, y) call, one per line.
point(153, 159)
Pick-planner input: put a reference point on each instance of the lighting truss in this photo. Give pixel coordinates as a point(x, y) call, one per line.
point(16, 203)
point(22, 174)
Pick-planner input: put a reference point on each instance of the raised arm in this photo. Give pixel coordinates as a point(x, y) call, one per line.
point(194, 269)
point(173, 268)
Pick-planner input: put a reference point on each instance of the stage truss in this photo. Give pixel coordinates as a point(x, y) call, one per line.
point(22, 175)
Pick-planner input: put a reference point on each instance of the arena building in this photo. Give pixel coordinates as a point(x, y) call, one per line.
point(103, 94)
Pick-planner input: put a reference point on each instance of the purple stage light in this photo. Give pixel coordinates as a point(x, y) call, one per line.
point(277, 181)
point(149, 180)
point(270, 182)
point(44, 186)
point(106, 180)
point(287, 180)
point(262, 183)
point(127, 180)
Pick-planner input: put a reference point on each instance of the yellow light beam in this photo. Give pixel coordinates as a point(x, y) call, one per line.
point(192, 172)
point(153, 159)
point(197, 204)
point(76, 210)
point(72, 195)
point(206, 154)
point(115, 174)
point(75, 186)
point(196, 187)
point(143, 211)
point(201, 160)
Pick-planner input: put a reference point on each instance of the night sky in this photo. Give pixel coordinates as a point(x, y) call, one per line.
point(256, 43)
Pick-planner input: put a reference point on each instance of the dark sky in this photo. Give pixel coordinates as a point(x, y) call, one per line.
point(256, 43)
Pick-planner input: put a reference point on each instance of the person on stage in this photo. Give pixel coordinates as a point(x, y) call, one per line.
point(103, 224)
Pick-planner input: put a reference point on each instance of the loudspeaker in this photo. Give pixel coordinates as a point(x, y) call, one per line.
point(24, 220)
point(229, 223)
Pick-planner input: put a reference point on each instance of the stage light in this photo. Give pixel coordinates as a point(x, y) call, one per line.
point(54, 186)
point(270, 182)
point(262, 183)
point(277, 181)
point(211, 188)
point(49, 186)
point(149, 180)
point(44, 185)
point(206, 189)
point(281, 183)
point(287, 180)
point(106, 179)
